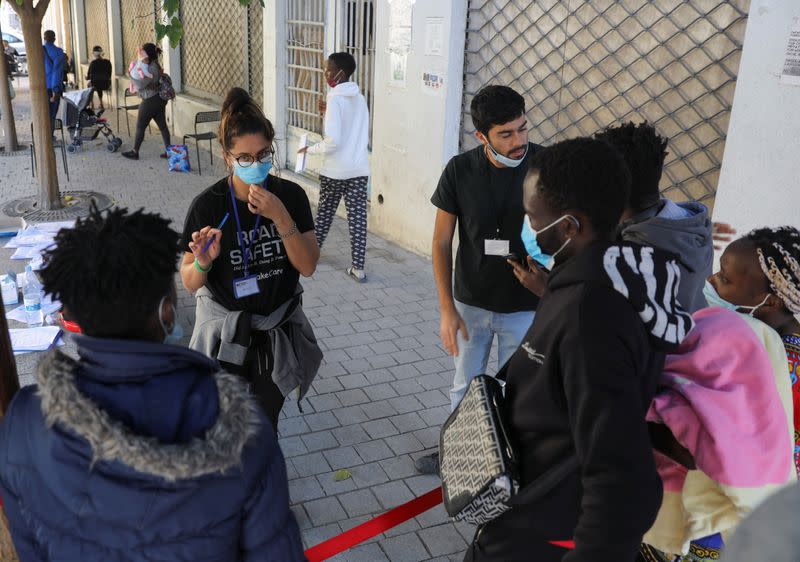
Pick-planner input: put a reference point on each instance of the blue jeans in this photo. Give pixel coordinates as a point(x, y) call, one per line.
point(473, 355)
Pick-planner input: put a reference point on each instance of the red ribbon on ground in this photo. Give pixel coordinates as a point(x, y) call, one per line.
point(384, 522)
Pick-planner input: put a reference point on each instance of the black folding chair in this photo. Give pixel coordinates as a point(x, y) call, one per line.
point(57, 126)
point(199, 118)
point(125, 106)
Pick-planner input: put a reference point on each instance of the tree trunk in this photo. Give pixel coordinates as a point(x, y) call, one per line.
point(31, 20)
point(7, 112)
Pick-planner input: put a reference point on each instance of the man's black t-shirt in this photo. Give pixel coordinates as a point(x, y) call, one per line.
point(485, 198)
point(277, 278)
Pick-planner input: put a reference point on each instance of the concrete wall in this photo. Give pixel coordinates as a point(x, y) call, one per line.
point(760, 177)
point(415, 132)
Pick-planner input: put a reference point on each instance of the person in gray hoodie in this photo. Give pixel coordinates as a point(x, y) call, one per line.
point(683, 229)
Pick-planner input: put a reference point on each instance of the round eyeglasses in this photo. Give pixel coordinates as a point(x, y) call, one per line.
point(246, 160)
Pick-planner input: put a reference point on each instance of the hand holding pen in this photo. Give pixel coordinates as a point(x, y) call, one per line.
point(205, 244)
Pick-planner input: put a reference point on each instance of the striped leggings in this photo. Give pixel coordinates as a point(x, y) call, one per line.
point(354, 191)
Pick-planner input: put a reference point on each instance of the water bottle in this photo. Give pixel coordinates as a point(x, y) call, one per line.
point(32, 298)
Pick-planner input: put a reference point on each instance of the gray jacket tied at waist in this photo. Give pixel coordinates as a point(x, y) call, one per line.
point(297, 356)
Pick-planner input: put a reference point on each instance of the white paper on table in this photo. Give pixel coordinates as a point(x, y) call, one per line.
point(300, 164)
point(37, 239)
point(24, 340)
point(29, 252)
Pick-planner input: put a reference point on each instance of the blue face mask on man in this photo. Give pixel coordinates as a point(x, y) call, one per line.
point(532, 244)
point(173, 336)
point(255, 173)
point(713, 299)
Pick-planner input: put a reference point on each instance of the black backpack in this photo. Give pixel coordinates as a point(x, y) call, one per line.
point(165, 89)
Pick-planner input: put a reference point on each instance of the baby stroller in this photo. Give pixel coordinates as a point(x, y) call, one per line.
point(83, 124)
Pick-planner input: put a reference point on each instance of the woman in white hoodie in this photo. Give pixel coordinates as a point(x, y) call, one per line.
point(345, 171)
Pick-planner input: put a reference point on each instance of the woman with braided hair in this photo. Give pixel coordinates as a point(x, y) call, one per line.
point(760, 274)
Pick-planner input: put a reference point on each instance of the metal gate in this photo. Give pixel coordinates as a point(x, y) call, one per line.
point(96, 18)
point(222, 47)
point(138, 24)
point(356, 35)
point(583, 66)
point(305, 45)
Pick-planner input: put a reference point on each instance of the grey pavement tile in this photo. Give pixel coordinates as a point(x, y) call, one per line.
point(392, 494)
point(340, 329)
point(320, 440)
point(332, 486)
point(364, 553)
point(292, 446)
point(301, 517)
point(399, 467)
point(404, 444)
point(407, 527)
point(380, 428)
point(310, 465)
point(423, 483)
point(357, 365)
point(405, 548)
point(379, 409)
point(381, 347)
point(368, 475)
point(407, 356)
point(405, 404)
point(359, 352)
point(325, 402)
point(381, 361)
point(292, 426)
point(428, 366)
point(330, 365)
point(434, 516)
point(352, 397)
point(442, 540)
point(353, 381)
point(377, 376)
point(372, 451)
point(384, 334)
point(378, 392)
point(322, 420)
point(433, 398)
point(324, 511)
point(316, 535)
point(326, 385)
point(305, 489)
point(408, 386)
point(360, 502)
point(351, 415)
point(351, 435)
point(408, 422)
point(429, 437)
point(342, 457)
point(435, 417)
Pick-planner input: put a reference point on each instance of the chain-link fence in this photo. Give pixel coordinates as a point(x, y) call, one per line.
point(222, 47)
point(305, 45)
point(138, 25)
point(583, 66)
point(96, 17)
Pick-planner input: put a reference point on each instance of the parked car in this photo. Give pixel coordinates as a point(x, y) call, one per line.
point(15, 41)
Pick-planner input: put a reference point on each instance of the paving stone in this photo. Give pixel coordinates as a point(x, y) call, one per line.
point(378, 376)
point(408, 422)
point(325, 402)
point(360, 502)
point(423, 483)
point(441, 540)
point(343, 457)
point(321, 421)
point(316, 535)
point(320, 440)
point(378, 429)
point(359, 352)
point(405, 443)
point(357, 365)
point(364, 553)
point(324, 511)
point(392, 494)
point(379, 409)
point(374, 451)
point(350, 435)
point(292, 446)
point(305, 489)
point(404, 371)
point(405, 548)
point(435, 417)
point(368, 475)
point(353, 381)
point(429, 437)
point(405, 404)
point(301, 517)
point(310, 465)
point(399, 467)
point(381, 347)
point(350, 415)
point(381, 361)
point(292, 426)
point(332, 486)
point(432, 398)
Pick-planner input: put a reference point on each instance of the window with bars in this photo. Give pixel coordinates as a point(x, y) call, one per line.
point(96, 18)
point(583, 66)
point(138, 25)
point(222, 48)
point(356, 35)
point(305, 49)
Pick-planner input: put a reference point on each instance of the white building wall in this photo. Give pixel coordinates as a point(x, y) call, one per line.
point(760, 177)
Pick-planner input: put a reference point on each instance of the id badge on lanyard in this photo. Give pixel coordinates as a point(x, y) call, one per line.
point(246, 286)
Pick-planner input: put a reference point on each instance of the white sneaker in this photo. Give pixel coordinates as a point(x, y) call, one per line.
point(357, 274)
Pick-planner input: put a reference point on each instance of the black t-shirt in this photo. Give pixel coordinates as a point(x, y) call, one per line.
point(277, 278)
point(485, 198)
point(100, 74)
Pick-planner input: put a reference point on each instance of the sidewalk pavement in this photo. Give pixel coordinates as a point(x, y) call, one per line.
point(382, 392)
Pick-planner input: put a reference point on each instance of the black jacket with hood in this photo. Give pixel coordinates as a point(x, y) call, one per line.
point(579, 386)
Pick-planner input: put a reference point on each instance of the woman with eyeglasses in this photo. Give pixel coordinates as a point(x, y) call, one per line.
point(247, 240)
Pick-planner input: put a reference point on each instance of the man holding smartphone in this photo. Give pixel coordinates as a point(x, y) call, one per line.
point(480, 191)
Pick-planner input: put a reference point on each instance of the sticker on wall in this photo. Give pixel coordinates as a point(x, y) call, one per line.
point(434, 37)
point(791, 64)
point(398, 69)
point(433, 82)
point(401, 15)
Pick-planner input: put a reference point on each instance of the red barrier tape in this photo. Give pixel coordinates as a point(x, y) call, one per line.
point(384, 522)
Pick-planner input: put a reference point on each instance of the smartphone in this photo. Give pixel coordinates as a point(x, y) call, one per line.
point(514, 257)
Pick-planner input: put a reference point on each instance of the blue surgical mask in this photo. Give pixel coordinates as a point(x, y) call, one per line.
point(713, 299)
point(529, 239)
point(255, 173)
point(174, 336)
point(505, 160)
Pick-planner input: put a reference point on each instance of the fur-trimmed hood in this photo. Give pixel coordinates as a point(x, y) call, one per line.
point(220, 449)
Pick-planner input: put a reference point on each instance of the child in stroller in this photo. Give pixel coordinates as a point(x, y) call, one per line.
point(83, 124)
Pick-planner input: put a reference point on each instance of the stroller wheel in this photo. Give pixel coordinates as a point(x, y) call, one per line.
point(112, 147)
point(72, 149)
point(118, 142)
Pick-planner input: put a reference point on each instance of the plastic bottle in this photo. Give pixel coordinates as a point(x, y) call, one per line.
point(32, 298)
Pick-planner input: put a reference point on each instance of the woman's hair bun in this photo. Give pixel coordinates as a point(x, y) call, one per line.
point(236, 99)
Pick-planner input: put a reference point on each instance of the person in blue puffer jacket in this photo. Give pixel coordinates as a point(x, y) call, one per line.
point(54, 61)
point(137, 449)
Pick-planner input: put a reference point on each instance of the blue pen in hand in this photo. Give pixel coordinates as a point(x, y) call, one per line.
point(211, 240)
